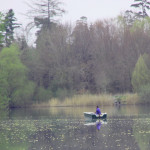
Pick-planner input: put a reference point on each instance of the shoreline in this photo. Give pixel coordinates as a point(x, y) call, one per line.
point(89, 100)
point(92, 100)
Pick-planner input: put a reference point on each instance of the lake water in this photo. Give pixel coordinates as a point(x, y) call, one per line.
point(65, 128)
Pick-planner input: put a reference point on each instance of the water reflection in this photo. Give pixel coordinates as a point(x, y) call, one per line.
point(67, 129)
point(97, 123)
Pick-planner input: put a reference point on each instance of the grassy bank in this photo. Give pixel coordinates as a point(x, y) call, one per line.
point(93, 100)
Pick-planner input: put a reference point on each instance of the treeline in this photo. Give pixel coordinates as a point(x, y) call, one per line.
point(95, 58)
point(106, 56)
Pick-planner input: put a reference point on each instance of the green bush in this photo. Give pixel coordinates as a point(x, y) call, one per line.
point(62, 93)
point(42, 94)
point(13, 78)
point(4, 102)
point(23, 96)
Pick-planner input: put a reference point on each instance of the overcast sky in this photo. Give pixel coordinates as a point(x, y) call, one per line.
point(92, 9)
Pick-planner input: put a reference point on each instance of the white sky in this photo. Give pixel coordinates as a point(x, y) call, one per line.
point(92, 9)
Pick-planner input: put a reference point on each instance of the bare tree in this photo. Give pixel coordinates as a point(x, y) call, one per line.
point(45, 11)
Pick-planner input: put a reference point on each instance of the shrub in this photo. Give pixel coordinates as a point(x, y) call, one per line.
point(42, 94)
point(23, 96)
point(63, 93)
point(13, 78)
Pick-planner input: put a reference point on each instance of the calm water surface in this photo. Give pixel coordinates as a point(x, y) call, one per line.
point(65, 128)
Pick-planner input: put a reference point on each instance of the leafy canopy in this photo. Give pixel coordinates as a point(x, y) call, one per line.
point(13, 80)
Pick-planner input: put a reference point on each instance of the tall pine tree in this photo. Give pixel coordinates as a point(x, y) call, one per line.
point(10, 25)
point(2, 29)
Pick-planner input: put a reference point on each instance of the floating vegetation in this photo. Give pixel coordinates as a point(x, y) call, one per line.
point(48, 132)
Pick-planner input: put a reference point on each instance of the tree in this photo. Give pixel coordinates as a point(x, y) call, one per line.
point(45, 11)
point(140, 75)
point(10, 25)
point(127, 18)
point(53, 57)
point(15, 88)
point(143, 6)
point(2, 29)
point(82, 55)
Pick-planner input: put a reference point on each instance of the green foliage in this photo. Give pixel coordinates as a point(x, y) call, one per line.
point(4, 99)
point(10, 25)
point(42, 94)
point(2, 29)
point(7, 26)
point(140, 75)
point(126, 19)
point(24, 95)
point(62, 93)
point(120, 99)
point(13, 80)
point(143, 25)
point(144, 93)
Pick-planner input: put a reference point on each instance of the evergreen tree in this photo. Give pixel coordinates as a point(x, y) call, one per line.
point(10, 25)
point(2, 29)
point(141, 74)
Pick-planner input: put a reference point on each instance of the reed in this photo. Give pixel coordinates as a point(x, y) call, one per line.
point(132, 98)
point(127, 98)
point(84, 100)
point(92, 100)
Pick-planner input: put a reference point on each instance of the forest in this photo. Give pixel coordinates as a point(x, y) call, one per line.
point(105, 56)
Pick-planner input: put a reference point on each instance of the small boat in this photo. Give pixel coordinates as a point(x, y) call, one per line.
point(92, 115)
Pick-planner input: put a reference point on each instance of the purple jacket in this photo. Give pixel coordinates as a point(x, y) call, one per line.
point(98, 111)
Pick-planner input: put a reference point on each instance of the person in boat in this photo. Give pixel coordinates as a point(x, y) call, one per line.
point(98, 111)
